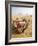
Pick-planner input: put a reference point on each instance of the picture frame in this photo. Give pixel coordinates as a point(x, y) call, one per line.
point(13, 8)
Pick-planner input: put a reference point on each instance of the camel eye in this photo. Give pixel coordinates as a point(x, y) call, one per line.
point(24, 20)
point(28, 20)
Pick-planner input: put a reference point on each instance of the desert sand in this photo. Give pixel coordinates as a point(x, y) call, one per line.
point(27, 32)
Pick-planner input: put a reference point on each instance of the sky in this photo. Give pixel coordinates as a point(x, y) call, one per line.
point(21, 10)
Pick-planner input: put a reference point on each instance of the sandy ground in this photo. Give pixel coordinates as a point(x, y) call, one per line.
point(27, 32)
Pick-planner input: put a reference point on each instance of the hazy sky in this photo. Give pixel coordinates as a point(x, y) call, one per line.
point(21, 10)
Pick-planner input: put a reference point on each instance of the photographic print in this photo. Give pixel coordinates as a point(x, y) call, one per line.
point(21, 22)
